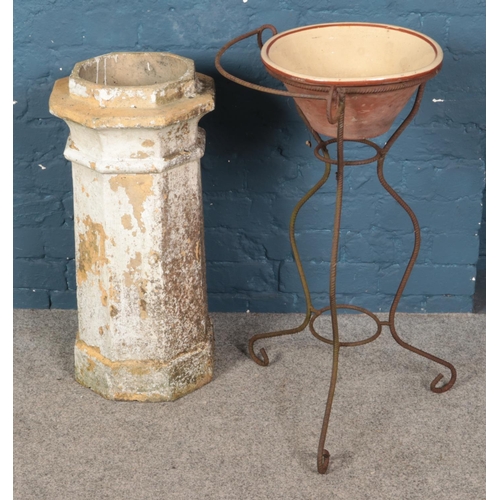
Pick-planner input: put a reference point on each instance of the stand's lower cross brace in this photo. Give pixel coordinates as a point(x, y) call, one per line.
point(321, 152)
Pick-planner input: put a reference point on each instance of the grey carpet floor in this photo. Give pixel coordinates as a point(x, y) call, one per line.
point(252, 432)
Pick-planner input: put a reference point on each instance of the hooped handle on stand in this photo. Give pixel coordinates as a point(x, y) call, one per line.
point(254, 86)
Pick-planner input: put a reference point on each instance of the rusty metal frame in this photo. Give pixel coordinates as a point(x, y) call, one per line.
point(321, 152)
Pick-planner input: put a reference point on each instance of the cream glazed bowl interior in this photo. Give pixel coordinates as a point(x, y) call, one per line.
point(353, 54)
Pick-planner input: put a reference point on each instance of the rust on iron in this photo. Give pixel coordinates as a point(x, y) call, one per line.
point(336, 115)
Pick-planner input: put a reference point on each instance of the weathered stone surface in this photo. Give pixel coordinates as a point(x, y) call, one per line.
point(144, 331)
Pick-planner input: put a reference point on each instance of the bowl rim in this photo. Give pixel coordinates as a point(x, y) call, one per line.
point(429, 70)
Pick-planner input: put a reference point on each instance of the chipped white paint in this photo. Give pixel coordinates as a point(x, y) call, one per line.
point(437, 100)
point(106, 94)
point(144, 331)
point(78, 89)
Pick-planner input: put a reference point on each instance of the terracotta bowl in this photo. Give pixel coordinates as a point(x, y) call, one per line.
point(365, 56)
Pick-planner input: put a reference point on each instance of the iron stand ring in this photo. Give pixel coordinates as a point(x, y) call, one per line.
point(346, 344)
point(323, 145)
point(257, 32)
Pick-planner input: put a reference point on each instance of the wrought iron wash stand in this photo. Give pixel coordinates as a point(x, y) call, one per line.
point(321, 152)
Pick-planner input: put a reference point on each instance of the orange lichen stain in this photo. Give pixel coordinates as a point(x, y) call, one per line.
point(112, 293)
point(140, 154)
point(101, 331)
point(127, 221)
point(197, 251)
point(135, 367)
point(136, 261)
point(91, 250)
point(92, 165)
point(72, 145)
point(148, 143)
point(140, 368)
point(133, 268)
point(113, 242)
point(130, 396)
point(130, 280)
point(143, 305)
point(104, 294)
point(127, 277)
point(137, 187)
point(183, 390)
point(90, 365)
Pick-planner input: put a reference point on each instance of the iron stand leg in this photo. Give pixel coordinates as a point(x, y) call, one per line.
point(309, 307)
point(323, 456)
point(402, 285)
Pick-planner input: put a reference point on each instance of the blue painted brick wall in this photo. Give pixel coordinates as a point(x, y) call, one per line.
point(257, 163)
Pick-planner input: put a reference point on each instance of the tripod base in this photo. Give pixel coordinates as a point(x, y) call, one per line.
point(311, 317)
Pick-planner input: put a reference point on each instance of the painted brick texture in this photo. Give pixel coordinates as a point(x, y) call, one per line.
point(258, 163)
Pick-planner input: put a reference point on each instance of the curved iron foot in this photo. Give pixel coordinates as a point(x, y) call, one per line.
point(447, 386)
point(434, 388)
point(323, 461)
point(265, 359)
